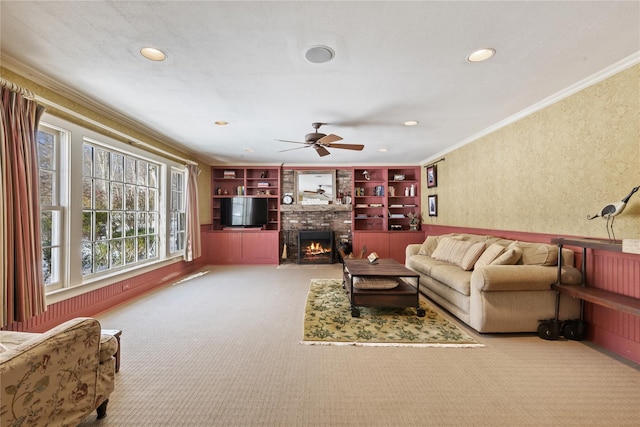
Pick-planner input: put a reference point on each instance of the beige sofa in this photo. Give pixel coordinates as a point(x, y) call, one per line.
point(493, 284)
point(56, 378)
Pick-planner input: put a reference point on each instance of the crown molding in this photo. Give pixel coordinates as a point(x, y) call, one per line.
point(93, 105)
point(601, 75)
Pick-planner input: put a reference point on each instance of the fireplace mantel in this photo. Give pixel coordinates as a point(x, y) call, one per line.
point(315, 208)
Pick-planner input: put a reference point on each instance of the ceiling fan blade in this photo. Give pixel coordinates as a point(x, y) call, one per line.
point(321, 150)
point(329, 139)
point(293, 142)
point(357, 147)
point(291, 149)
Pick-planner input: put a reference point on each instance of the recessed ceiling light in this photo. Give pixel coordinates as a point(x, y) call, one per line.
point(319, 54)
point(221, 123)
point(481, 55)
point(383, 150)
point(153, 54)
point(411, 122)
point(249, 150)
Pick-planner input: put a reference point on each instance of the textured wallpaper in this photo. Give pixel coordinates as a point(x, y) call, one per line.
point(548, 171)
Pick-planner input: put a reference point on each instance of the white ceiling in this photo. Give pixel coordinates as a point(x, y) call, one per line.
point(243, 62)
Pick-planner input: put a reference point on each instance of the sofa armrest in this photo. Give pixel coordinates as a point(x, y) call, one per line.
point(412, 249)
point(520, 277)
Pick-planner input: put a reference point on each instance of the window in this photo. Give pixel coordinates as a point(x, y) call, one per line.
point(177, 226)
point(50, 147)
point(119, 209)
point(108, 208)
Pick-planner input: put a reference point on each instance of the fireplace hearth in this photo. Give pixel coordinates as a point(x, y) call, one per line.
point(315, 247)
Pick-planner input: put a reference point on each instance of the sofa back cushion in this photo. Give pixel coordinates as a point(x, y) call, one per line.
point(471, 256)
point(489, 255)
point(539, 254)
point(510, 256)
point(451, 249)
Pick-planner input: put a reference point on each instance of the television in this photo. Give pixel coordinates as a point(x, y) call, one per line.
point(243, 212)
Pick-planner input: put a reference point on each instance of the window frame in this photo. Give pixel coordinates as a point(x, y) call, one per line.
point(72, 281)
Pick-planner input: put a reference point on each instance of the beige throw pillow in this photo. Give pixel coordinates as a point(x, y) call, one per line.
point(488, 256)
point(472, 255)
point(510, 256)
point(429, 245)
point(451, 250)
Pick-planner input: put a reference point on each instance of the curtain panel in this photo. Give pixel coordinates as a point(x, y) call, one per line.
point(193, 247)
point(23, 293)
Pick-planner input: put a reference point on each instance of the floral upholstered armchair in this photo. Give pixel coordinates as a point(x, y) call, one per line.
point(58, 377)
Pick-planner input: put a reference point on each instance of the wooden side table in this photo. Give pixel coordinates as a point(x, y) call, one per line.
point(116, 333)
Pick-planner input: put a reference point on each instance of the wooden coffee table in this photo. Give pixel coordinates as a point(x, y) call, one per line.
point(405, 294)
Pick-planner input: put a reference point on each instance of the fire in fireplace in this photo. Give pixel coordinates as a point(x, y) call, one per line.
point(315, 247)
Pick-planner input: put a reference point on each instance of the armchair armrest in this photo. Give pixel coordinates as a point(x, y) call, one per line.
point(520, 277)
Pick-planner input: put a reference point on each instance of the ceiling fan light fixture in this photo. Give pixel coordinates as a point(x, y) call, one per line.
point(221, 122)
point(411, 122)
point(153, 54)
point(481, 55)
point(319, 54)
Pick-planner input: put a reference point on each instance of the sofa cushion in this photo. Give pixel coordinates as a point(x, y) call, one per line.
point(453, 276)
point(490, 254)
point(451, 250)
point(472, 255)
point(374, 283)
point(510, 256)
point(422, 263)
point(539, 254)
point(429, 245)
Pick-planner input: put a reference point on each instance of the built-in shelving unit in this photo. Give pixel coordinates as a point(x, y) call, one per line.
point(229, 182)
point(384, 198)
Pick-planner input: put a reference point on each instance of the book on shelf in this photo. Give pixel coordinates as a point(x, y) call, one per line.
point(263, 184)
point(229, 174)
point(375, 205)
point(396, 206)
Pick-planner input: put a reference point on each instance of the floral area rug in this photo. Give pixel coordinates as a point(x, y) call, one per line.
point(328, 321)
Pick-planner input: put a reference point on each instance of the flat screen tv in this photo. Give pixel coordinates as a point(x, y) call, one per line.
point(243, 212)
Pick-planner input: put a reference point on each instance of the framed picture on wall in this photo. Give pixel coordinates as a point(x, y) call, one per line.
point(432, 176)
point(432, 202)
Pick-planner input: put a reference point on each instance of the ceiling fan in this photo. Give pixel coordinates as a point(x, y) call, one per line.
point(320, 142)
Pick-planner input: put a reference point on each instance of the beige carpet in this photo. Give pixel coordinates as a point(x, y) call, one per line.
point(223, 349)
point(328, 321)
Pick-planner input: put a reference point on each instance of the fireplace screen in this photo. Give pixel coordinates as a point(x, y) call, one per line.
point(315, 247)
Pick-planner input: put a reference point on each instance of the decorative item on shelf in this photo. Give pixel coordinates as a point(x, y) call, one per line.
point(406, 191)
point(414, 221)
point(609, 212)
point(412, 190)
point(395, 227)
point(432, 176)
point(378, 190)
point(392, 191)
point(229, 174)
point(373, 258)
point(264, 174)
point(432, 202)
point(287, 199)
point(398, 177)
point(219, 191)
point(366, 176)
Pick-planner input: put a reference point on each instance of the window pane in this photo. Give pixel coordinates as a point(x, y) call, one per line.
point(102, 225)
point(101, 163)
point(117, 167)
point(46, 265)
point(117, 196)
point(142, 173)
point(116, 225)
point(153, 176)
point(130, 223)
point(152, 250)
point(46, 222)
point(101, 256)
point(152, 199)
point(130, 250)
point(87, 193)
point(117, 258)
point(46, 188)
point(87, 226)
point(142, 224)
point(142, 199)
point(87, 258)
point(142, 248)
point(87, 162)
point(101, 194)
point(129, 170)
point(130, 197)
point(152, 222)
point(46, 159)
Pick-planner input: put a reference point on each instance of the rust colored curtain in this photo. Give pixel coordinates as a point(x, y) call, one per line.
point(20, 240)
point(193, 247)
